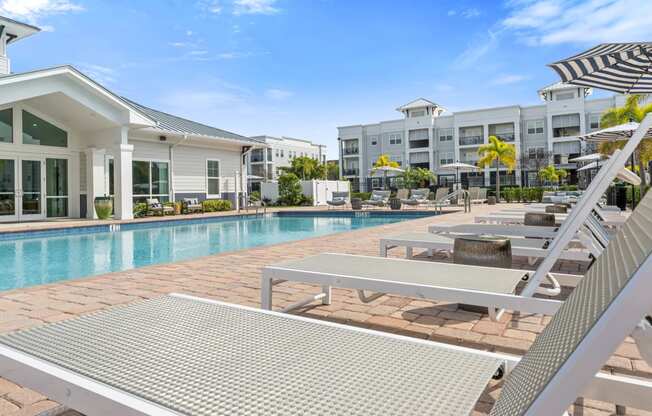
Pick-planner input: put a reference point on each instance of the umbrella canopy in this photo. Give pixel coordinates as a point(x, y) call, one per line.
point(592, 165)
point(457, 166)
point(625, 68)
point(254, 177)
point(615, 133)
point(588, 158)
point(387, 169)
point(624, 174)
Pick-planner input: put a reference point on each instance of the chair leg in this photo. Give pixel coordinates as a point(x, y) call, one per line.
point(328, 293)
point(266, 293)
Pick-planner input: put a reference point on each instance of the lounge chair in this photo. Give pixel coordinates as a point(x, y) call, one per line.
point(418, 197)
point(492, 288)
point(339, 199)
point(192, 205)
point(378, 199)
point(480, 196)
point(184, 355)
point(156, 208)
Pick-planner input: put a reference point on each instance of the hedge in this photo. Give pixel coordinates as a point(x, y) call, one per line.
point(214, 205)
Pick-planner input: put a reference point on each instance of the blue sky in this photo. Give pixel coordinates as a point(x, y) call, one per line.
point(301, 68)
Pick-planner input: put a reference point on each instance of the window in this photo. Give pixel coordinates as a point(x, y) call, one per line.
point(562, 96)
point(535, 153)
point(445, 135)
point(594, 121)
point(566, 125)
point(534, 127)
point(373, 140)
point(417, 113)
point(7, 126)
point(397, 159)
point(56, 185)
point(213, 177)
point(276, 153)
point(282, 153)
point(395, 139)
point(446, 158)
point(40, 132)
point(150, 180)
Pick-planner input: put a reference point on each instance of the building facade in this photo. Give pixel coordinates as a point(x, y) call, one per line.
point(265, 163)
point(428, 137)
point(65, 140)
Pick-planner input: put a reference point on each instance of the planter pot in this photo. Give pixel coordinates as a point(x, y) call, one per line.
point(103, 207)
point(491, 200)
point(395, 204)
point(356, 204)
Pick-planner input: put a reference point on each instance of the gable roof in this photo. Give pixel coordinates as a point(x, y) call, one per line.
point(16, 30)
point(418, 103)
point(559, 86)
point(179, 125)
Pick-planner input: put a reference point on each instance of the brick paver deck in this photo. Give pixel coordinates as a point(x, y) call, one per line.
point(235, 277)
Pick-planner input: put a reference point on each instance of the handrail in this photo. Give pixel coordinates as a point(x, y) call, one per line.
point(455, 194)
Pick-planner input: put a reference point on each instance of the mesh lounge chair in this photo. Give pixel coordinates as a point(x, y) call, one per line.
point(182, 355)
point(378, 199)
point(155, 207)
point(492, 288)
point(339, 199)
point(418, 197)
point(192, 205)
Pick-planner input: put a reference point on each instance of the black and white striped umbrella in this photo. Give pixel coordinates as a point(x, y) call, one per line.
point(615, 133)
point(621, 67)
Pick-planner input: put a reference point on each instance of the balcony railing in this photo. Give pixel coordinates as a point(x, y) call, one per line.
point(418, 144)
point(471, 140)
point(256, 159)
point(351, 172)
point(350, 151)
point(506, 137)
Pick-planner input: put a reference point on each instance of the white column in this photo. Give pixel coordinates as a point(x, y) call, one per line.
point(123, 178)
point(95, 178)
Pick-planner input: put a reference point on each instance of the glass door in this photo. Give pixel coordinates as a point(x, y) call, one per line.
point(56, 179)
point(8, 194)
point(31, 192)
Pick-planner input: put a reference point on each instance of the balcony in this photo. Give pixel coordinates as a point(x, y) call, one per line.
point(256, 159)
point(419, 144)
point(471, 140)
point(348, 151)
point(506, 137)
point(351, 172)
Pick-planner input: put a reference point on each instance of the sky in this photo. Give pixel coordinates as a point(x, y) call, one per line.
point(300, 68)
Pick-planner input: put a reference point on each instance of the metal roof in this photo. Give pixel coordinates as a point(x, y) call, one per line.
point(175, 124)
point(418, 103)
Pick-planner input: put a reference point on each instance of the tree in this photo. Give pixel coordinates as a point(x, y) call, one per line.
point(289, 189)
point(535, 161)
point(306, 168)
point(631, 111)
point(552, 174)
point(383, 161)
point(417, 178)
point(332, 171)
point(498, 152)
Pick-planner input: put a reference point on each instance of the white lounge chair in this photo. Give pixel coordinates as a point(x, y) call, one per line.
point(180, 355)
point(491, 288)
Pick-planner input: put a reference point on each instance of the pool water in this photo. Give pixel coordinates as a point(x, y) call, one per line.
point(31, 259)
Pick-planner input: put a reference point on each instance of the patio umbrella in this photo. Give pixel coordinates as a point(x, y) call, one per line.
point(615, 133)
point(457, 167)
point(386, 170)
point(588, 158)
point(624, 174)
point(625, 68)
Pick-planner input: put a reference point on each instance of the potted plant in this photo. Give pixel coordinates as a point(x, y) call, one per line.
point(103, 206)
point(178, 208)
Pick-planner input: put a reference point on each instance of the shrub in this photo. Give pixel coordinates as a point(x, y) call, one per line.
point(362, 195)
point(306, 201)
point(214, 205)
point(140, 210)
point(289, 189)
point(255, 196)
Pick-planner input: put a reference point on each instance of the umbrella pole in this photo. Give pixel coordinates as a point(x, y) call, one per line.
point(633, 187)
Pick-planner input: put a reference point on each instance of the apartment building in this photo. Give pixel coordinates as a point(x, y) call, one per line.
point(428, 136)
point(264, 164)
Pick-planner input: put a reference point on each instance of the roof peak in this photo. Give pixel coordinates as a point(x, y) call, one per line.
point(417, 103)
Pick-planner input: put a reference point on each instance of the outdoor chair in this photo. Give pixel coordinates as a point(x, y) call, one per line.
point(417, 198)
point(156, 208)
point(339, 199)
point(481, 196)
point(192, 205)
point(378, 199)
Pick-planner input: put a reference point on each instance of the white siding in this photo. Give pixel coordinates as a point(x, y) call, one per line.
point(189, 168)
point(82, 172)
point(151, 151)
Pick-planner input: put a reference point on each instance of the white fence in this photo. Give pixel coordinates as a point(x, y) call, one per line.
point(319, 191)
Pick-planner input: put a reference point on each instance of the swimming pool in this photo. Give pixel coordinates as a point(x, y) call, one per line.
point(33, 258)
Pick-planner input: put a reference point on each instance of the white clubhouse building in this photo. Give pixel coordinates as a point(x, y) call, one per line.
point(428, 137)
point(65, 139)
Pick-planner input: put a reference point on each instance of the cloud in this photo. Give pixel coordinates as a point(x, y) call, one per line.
point(102, 74)
point(197, 53)
point(551, 22)
point(509, 79)
point(210, 6)
point(278, 94)
point(452, 12)
point(465, 13)
point(477, 48)
point(254, 7)
point(34, 10)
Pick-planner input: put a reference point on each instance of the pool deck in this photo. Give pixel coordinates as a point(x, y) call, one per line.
point(235, 277)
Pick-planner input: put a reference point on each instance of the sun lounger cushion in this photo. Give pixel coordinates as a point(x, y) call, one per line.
point(201, 358)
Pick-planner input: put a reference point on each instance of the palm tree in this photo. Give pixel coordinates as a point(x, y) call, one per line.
point(498, 152)
point(552, 174)
point(384, 161)
point(631, 111)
